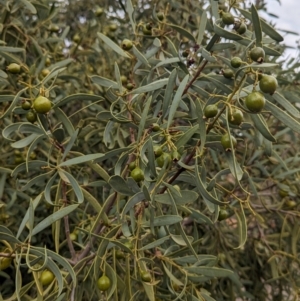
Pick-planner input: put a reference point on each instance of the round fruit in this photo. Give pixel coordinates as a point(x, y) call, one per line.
point(76, 38)
point(129, 245)
point(164, 157)
point(157, 150)
point(268, 84)
point(155, 127)
point(291, 204)
point(19, 160)
point(42, 105)
point(26, 105)
point(228, 73)
point(137, 174)
point(132, 165)
point(149, 26)
point(113, 27)
point(4, 263)
point(47, 277)
point(73, 236)
point(99, 12)
point(186, 53)
point(129, 86)
point(175, 156)
point(31, 116)
point(123, 79)
point(103, 283)
point(146, 276)
point(283, 193)
point(257, 54)
point(146, 31)
point(13, 68)
point(119, 254)
point(223, 214)
point(236, 62)
point(225, 141)
point(211, 111)
point(255, 102)
point(236, 117)
point(54, 28)
point(227, 18)
point(160, 16)
point(241, 28)
point(47, 62)
point(126, 44)
point(45, 72)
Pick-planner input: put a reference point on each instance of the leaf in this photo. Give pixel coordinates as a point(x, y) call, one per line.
point(186, 136)
point(262, 127)
point(29, 6)
point(226, 34)
point(118, 184)
point(53, 217)
point(257, 26)
point(209, 271)
point(144, 117)
point(79, 97)
point(285, 103)
point(185, 197)
point(183, 32)
point(155, 243)
point(177, 99)
point(150, 87)
point(169, 92)
point(242, 226)
point(24, 142)
point(81, 159)
point(142, 59)
point(166, 220)
point(138, 197)
point(202, 27)
point(130, 12)
point(235, 167)
point(112, 45)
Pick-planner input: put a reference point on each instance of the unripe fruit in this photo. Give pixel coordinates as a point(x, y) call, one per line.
point(129, 86)
point(53, 28)
point(132, 165)
point(42, 105)
point(113, 27)
point(47, 62)
point(223, 214)
point(255, 102)
point(13, 68)
point(155, 127)
point(73, 236)
point(126, 44)
point(99, 12)
point(257, 54)
point(26, 105)
point(236, 117)
point(283, 193)
point(47, 277)
point(157, 150)
point(227, 18)
point(186, 53)
point(164, 157)
point(119, 254)
point(137, 174)
point(160, 16)
point(236, 62)
point(291, 204)
point(18, 160)
point(225, 141)
point(228, 73)
point(268, 84)
point(45, 72)
point(129, 245)
point(149, 26)
point(5, 262)
point(241, 28)
point(103, 283)
point(123, 80)
point(211, 111)
point(175, 156)
point(76, 38)
point(31, 116)
point(146, 31)
point(146, 276)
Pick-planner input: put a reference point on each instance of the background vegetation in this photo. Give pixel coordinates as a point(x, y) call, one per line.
point(130, 175)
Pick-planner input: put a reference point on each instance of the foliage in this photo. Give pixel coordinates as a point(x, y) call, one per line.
point(124, 184)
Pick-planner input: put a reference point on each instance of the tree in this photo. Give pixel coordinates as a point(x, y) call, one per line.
point(149, 152)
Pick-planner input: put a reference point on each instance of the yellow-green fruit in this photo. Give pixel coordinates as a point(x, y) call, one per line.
point(26, 105)
point(113, 27)
point(99, 12)
point(223, 214)
point(126, 44)
point(283, 193)
point(228, 73)
point(160, 16)
point(146, 276)
point(103, 283)
point(31, 116)
point(255, 102)
point(236, 62)
point(123, 79)
point(137, 174)
point(42, 105)
point(73, 236)
point(13, 68)
point(175, 155)
point(132, 165)
point(225, 141)
point(47, 277)
point(235, 117)
point(291, 204)
point(227, 18)
point(54, 28)
point(47, 62)
point(211, 111)
point(19, 160)
point(45, 72)
point(164, 157)
point(76, 38)
point(157, 150)
point(129, 245)
point(268, 84)
point(129, 86)
point(241, 28)
point(257, 54)
point(4, 263)
point(146, 31)
point(155, 127)
point(119, 254)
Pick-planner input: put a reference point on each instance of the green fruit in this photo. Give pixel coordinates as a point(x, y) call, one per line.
point(99, 12)
point(31, 116)
point(146, 31)
point(129, 245)
point(175, 156)
point(13, 68)
point(137, 174)
point(45, 72)
point(103, 283)
point(236, 117)
point(26, 105)
point(186, 53)
point(157, 150)
point(164, 157)
point(76, 38)
point(4, 263)
point(126, 44)
point(291, 204)
point(227, 18)
point(225, 141)
point(223, 214)
point(53, 28)
point(129, 86)
point(257, 54)
point(149, 26)
point(119, 254)
point(268, 84)
point(146, 276)
point(132, 165)
point(255, 102)
point(42, 105)
point(160, 16)
point(47, 62)
point(123, 79)
point(73, 236)
point(228, 73)
point(113, 27)
point(236, 62)
point(47, 277)
point(283, 193)
point(241, 28)
point(19, 160)
point(155, 127)
point(211, 111)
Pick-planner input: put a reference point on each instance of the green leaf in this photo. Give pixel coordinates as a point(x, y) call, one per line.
point(138, 197)
point(183, 32)
point(262, 127)
point(29, 6)
point(169, 92)
point(81, 159)
point(144, 117)
point(118, 184)
point(60, 114)
point(177, 99)
point(166, 220)
point(112, 45)
point(24, 142)
point(53, 218)
point(150, 87)
point(226, 34)
point(202, 27)
point(185, 197)
point(242, 226)
point(130, 12)
point(209, 271)
point(155, 243)
point(284, 103)
point(257, 26)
